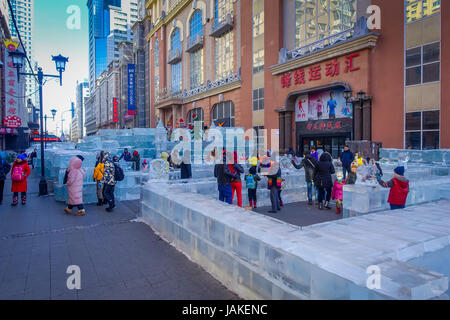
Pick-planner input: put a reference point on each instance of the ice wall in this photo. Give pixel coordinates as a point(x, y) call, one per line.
point(262, 258)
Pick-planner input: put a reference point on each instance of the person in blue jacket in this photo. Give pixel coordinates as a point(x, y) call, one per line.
point(346, 158)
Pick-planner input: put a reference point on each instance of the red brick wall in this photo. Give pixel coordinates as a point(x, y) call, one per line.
point(445, 76)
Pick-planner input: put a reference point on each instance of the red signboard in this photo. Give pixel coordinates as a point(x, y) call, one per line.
point(12, 121)
point(314, 73)
point(115, 111)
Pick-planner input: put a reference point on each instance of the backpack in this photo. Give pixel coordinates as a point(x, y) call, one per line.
point(118, 173)
point(17, 174)
point(250, 181)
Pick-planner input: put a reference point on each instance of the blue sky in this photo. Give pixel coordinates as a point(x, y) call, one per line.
point(52, 37)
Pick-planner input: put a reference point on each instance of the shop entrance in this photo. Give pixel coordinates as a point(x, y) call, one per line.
point(332, 144)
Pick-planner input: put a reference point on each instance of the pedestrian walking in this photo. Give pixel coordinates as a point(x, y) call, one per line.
point(314, 153)
point(109, 180)
point(98, 177)
point(399, 189)
point(224, 176)
point(33, 156)
point(346, 158)
point(136, 159)
point(251, 182)
point(4, 170)
point(126, 155)
point(323, 179)
point(75, 186)
point(19, 174)
point(309, 163)
point(236, 183)
point(338, 192)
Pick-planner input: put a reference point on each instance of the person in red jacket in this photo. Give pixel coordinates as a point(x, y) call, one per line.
point(19, 174)
point(399, 189)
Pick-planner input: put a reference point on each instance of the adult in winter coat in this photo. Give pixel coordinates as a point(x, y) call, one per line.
point(98, 176)
point(126, 155)
point(314, 153)
point(310, 164)
point(4, 170)
point(399, 189)
point(136, 161)
point(224, 176)
point(19, 174)
point(109, 181)
point(274, 185)
point(323, 179)
point(236, 183)
point(346, 158)
point(75, 186)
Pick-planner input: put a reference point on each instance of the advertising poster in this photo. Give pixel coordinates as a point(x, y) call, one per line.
point(324, 105)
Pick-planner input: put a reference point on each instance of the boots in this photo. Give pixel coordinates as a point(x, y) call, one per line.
point(80, 213)
point(254, 205)
point(321, 205)
point(67, 210)
point(24, 200)
point(327, 205)
point(15, 201)
point(250, 204)
point(100, 203)
point(338, 210)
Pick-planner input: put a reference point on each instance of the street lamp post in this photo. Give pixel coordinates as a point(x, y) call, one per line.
point(53, 111)
point(60, 61)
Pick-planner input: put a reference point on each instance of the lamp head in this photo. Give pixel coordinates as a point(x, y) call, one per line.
point(361, 94)
point(60, 62)
point(347, 94)
point(17, 58)
point(53, 111)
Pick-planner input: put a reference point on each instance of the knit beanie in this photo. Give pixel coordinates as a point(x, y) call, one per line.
point(400, 170)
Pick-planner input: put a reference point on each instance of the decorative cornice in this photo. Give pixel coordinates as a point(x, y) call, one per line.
point(368, 41)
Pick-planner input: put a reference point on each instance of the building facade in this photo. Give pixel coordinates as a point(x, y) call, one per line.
point(78, 121)
point(319, 73)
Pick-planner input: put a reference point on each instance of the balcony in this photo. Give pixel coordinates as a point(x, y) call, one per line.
point(175, 57)
point(195, 44)
point(223, 27)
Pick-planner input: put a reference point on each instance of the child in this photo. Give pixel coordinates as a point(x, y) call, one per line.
point(351, 177)
point(252, 182)
point(98, 176)
point(145, 165)
point(19, 174)
point(236, 183)
point(338, 191)
point(399, 189)
point(75, 186)
point(359, 159)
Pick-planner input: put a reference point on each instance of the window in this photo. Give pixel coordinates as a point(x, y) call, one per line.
point(192, 114)
point(422, 130)
point(258, 24)
point(156, 62)
point(221, 9)
point(258, 61)
point(223, 112)
point(195, 25)
point(260, 136)
point(223, 53)
point(419, 9)
point(423, 64)
point(317, 19)
point(196, 74)
point(175, 44)
point(258, 99)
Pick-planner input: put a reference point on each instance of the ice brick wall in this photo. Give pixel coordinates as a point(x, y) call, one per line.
point(262, 258)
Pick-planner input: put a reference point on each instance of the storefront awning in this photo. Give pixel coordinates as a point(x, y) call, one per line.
point(10, 131)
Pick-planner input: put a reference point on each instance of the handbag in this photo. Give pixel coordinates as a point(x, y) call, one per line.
point(66, 177)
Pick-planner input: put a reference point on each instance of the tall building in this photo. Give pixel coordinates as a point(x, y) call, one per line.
point(78, 121)
point(110, 23)
point(24, 13)
point(313, 72)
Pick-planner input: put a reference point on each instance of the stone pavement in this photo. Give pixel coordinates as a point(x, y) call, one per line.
point(118, 258)
point(301, 214)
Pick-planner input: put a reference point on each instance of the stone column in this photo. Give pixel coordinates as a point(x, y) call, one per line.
point(174, 116)
point(282, 130)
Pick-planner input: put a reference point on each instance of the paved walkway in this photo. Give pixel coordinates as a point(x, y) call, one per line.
point(301, 214)
point(118, 258)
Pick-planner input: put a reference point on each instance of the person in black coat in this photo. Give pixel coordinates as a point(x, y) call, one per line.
point(323, 180)
point(309, 163)
point(4, 170)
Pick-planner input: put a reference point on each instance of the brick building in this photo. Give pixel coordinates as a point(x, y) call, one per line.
point(312, 70)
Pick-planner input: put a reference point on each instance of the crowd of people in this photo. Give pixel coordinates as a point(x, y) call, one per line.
point(318, 166)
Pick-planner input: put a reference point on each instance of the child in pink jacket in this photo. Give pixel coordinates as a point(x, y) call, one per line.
point(75, 186)
point(338, 191)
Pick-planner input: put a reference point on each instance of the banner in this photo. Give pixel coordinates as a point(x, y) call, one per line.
point(323, 105)
point(115, 111)
point(131, 89)
point(14, 96)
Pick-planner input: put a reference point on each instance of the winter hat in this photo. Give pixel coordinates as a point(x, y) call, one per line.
point(339, 176)
point(400, 170)
point(253, 161)
point(135, 153)
point(22, 157)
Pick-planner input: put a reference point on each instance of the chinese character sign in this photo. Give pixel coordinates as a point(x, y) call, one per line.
point(131, 89)
point(14, 96)
point(115, 111)
point(329, 104)
point(301, 108)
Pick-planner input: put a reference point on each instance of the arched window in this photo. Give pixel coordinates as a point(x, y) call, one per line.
point(196, 58)
point(175, 44)
point(193, 114)
point(223, 47)
point(156, 63)
point(223, 114)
